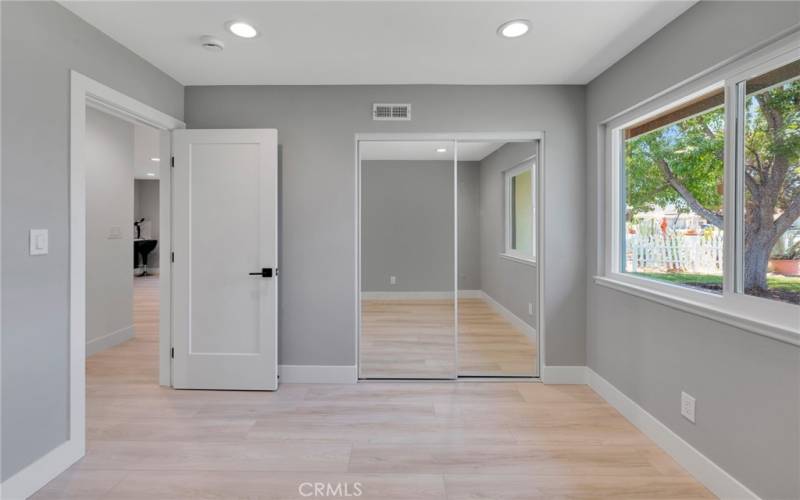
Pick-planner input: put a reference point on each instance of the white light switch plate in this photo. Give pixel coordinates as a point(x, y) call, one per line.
point(38, 242)
point(115, 233)
point(687, 406)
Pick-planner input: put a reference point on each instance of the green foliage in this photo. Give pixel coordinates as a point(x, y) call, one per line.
point(692, 149)
point(772, 137)
point(775, 281)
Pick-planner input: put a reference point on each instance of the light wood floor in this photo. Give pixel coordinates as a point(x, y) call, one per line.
point(400, 441)
point(416, 339)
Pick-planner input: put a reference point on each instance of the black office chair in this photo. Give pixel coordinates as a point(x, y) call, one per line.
point(142, 248)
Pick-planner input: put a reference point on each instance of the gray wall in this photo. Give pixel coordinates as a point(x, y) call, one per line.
point(109, 204)
point(407, 226)
point(145, 204)
point(316, 129)
point(511, 283)
point(41, 42)
point(469, 225)
point(747, 386)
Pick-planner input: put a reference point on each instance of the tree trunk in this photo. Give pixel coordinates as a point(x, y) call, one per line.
point(757, 248)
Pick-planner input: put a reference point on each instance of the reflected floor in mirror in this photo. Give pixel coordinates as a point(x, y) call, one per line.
point(415, 339)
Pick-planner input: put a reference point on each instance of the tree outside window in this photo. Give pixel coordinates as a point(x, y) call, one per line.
point(674, 168)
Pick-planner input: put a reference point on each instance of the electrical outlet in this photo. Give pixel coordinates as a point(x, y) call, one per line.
point(687, 406)
point(530, 308)
point(115, 233)
point(392, 280)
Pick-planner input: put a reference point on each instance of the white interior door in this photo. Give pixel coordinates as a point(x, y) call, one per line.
point(225, 229)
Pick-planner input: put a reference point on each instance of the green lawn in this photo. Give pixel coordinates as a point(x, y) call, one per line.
point(774, 281)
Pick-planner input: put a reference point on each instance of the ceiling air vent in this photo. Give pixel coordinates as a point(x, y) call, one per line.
point(388, 111)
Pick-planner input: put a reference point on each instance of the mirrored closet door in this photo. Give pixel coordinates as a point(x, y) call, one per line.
point(407, 302)
point(497, 280)
point(448, 269)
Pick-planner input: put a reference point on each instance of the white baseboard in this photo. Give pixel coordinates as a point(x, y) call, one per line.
point(109, 340)
point(564, 374)
point(463, 294)
point(515, 320)
point(33, 477)
point(317, 374)
point(698, 465)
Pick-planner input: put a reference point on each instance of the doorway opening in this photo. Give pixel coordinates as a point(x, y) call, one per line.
point(450, 252)
point(123, 296)
point(90, 100)
point(122, 170)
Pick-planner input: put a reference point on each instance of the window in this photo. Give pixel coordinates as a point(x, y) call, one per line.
point(672, 180)
point(520, 241)
point(772, 185)
point(702, 195)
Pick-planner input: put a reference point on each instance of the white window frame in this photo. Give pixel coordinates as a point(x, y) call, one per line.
point(767, 317)
point(509, 252)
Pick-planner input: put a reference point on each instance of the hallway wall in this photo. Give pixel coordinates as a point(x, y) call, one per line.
point(109, 207)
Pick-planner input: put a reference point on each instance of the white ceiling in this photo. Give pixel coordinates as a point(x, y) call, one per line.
point(381, 42)
point(425, 150)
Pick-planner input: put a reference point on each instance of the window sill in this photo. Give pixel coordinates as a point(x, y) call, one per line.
point(772, 331)
point(516, 258)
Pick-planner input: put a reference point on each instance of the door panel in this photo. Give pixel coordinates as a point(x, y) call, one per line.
point(225, 227)
point(407, 264)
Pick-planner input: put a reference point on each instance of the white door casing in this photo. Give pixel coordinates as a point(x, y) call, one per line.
point(225, 209)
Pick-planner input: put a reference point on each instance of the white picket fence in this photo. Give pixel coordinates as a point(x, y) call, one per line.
point(675, 252)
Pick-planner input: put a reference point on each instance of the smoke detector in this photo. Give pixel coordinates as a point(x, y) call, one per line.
point(212, 44)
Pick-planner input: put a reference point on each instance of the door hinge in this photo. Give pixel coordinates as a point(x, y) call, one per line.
point(172, 161)
point(172, 256)
point(172, 352)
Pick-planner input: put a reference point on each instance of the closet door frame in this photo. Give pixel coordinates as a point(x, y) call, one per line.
point(513, 136)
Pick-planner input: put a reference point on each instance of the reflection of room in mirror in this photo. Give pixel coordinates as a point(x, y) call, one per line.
point(408, 260)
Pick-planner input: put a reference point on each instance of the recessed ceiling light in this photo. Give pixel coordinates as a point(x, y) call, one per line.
point(155, 159)
point(151, 174)
point(514, 28)
point(441, 150)
point(242, 29)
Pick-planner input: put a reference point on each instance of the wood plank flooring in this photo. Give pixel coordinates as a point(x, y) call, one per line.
point(490, 345)
point(399, 441)
point(407, 339)
point(416, 339)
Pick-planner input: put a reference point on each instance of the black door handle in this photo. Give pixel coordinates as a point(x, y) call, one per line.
point(266, 272)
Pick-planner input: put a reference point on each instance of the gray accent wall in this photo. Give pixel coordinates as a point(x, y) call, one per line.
point(41, 42)
point(747, 386)
point(109, 230)
point(407, 226)
point(316, 130)
point(511, 283)
point(469, 225)
point(146, 204)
